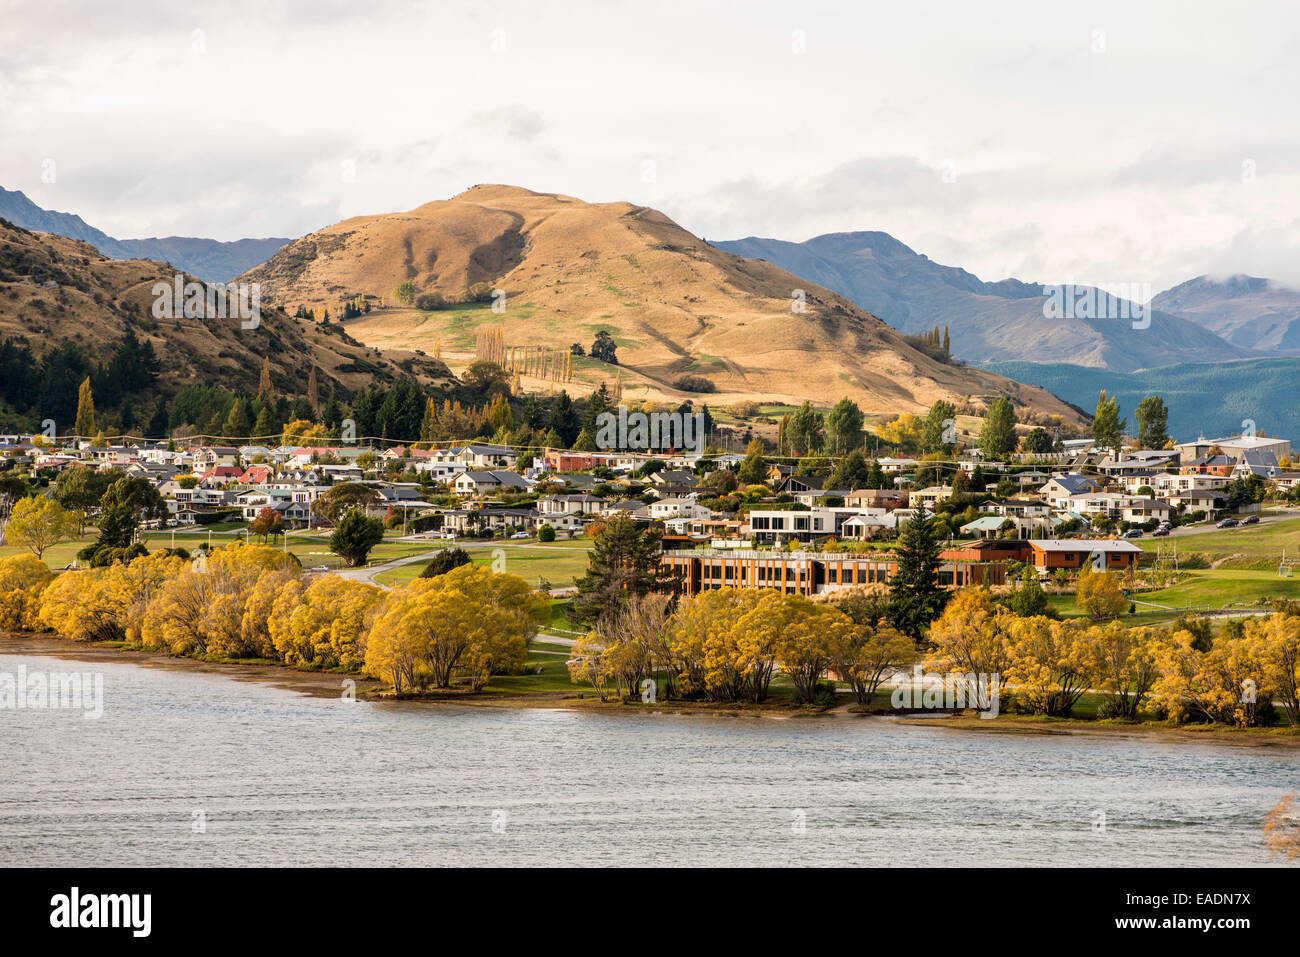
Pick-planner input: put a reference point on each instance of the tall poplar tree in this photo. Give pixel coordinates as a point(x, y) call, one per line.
point(85, 424)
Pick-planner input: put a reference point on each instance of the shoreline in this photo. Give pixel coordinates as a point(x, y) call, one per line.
point(329, 684)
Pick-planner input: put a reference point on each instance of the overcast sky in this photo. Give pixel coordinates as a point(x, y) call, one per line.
point(1104, 143)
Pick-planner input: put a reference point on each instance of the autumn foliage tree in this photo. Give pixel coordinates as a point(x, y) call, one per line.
point(38, 523)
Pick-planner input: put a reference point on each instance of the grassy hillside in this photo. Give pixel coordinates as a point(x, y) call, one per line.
point(674, 305)
point(65, 308)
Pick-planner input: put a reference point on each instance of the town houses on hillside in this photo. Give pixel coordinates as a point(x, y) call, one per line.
point(1052, 512)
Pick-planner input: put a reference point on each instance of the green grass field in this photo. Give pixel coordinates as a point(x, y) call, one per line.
point(311, 549)
point(1256, 547)
point(1227, 589)
point(558, 562)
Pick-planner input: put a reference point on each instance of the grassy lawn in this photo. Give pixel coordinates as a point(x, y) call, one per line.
point(311, 549)
point(546, 669)
point(1221, 588)
point(560, 618)
point(1257, 547)
point(558, 562)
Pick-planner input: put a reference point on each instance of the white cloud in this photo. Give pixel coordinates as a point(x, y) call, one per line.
point(1117, 164)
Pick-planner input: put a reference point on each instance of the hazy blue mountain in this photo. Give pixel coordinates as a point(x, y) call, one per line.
point(1208, 398)
point(205, 258)
point(988, 321)
point(1248, 311)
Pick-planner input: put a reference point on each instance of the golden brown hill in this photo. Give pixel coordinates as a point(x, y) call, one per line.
point(54, 290)
point(674, 305)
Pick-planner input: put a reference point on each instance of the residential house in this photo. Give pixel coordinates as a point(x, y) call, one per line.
point(488, 482)
point(489, 457)
point(928, 498)
point(1060, 489)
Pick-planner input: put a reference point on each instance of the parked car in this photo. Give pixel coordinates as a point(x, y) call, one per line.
point(1226, 523)
point(1160, 532)
point(1250, 520)
point(521, 535)
point(1133, 533)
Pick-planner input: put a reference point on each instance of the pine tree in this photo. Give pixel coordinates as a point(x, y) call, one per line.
point(624, 561)
point(265, 424)
point(915, 597)
point(876, 478)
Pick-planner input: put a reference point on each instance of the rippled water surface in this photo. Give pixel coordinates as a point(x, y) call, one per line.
point(280, 778)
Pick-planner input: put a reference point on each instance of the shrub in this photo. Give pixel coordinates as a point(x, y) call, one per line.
point(1265, 713)
point(444, 562)
point(1108, 709)
point(546, 534)
point(694, 383)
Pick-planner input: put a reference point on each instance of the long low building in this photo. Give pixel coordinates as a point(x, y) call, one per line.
point(1073, 553)
point(804, 573)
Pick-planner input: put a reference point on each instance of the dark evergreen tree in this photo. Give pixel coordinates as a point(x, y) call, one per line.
point(915, 596)
point(624, 561)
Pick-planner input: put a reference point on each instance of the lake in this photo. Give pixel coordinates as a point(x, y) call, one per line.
point(194, 769)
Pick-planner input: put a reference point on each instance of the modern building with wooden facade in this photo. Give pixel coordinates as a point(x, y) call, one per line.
point(803, 573)
point(1073, 553)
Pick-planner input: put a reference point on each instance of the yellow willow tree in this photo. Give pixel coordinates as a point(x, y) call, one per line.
point(327, 626)
point(1050, 662)
point(471, 623)
point(254, 629)
point(627, 647)
point(1222, 684)
point(23, 578)
point(807, 638)
point(80, 606)
point(868, 653)
point(705, 636)
point(1100, 594)
point(134, 585)
point(1275, 643)
point(1124, 662)
point(38, 523)
point(204, 603)
point(971, 635)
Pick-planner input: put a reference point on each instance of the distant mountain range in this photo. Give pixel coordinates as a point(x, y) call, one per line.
point(207, 259)
point(1210, 399)
point(1199, 321)
point(1250, 312)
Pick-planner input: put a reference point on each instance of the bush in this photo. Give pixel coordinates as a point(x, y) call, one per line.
point(429, 301)
point(546, 534)
point(355, 535)
point(444, 562)
point(479, 292)
point(824, 697)
point(694, 383)
point(1265, 713)
point(1108, 709)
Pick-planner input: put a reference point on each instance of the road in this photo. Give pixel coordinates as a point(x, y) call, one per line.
point(367, 573)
